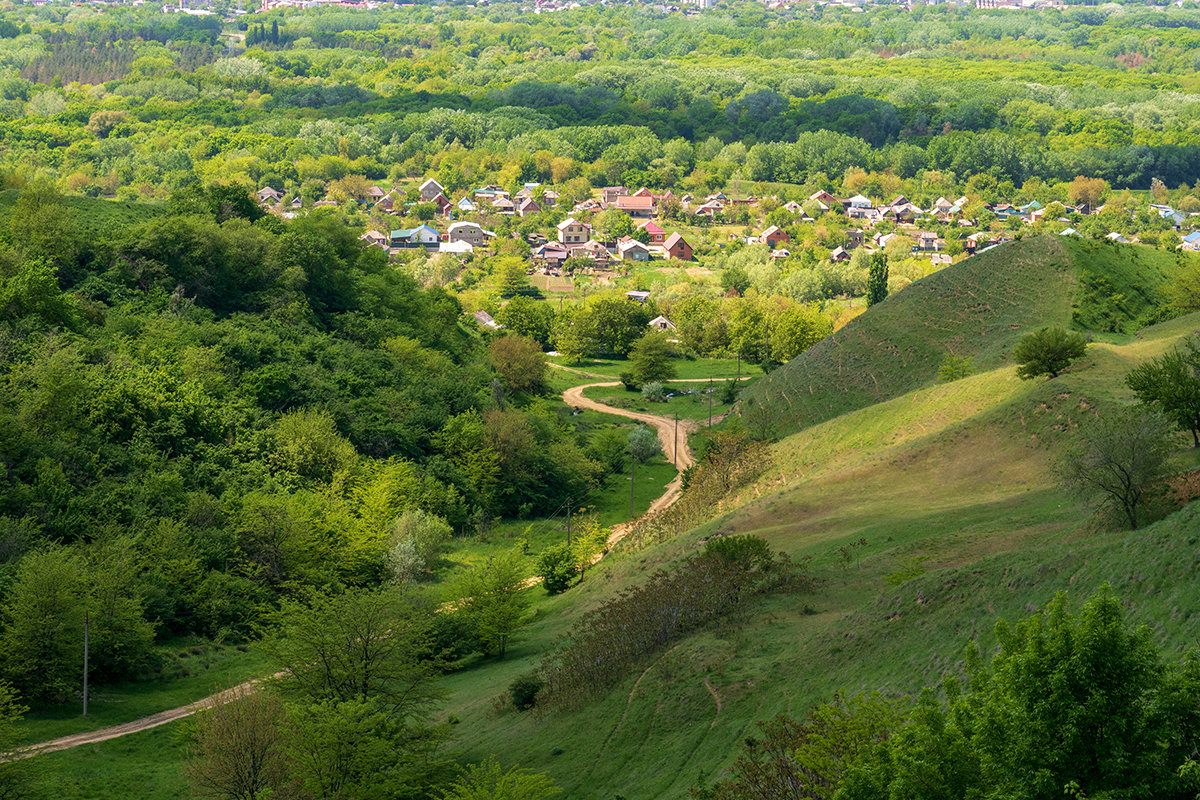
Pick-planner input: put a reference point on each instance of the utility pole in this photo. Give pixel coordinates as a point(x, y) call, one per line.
point(631, 460)
point(85, 661)
point(675, 444)
point(739, 355)
point(568, 523)
point(710, 402)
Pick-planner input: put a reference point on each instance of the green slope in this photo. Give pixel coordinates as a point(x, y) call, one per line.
point(952, 480)
point(979, 307)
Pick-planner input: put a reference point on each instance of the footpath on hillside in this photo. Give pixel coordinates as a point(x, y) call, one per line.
point(574, 396)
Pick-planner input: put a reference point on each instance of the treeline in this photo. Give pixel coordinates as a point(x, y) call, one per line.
point(491, 96)
point(1082, 705)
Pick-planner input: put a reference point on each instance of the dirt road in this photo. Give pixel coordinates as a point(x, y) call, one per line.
point(574, 397)
point(126, 728)
point(666, 434)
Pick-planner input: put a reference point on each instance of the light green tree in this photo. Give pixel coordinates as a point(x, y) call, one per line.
point(494, 599)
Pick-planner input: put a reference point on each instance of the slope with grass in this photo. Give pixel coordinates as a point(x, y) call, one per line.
point(927, 516)
point(978, 308)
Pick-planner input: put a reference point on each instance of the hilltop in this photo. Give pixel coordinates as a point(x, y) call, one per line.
point(978, 308)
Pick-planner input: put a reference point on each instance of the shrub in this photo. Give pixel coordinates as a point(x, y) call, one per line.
point(558, 568)
point(654, 392)
point(524, 691)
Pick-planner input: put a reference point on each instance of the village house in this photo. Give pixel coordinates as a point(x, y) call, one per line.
point(466, 205)
point(632, 250)
point(676, 247)
point(1191, 242)
point(551, 255)
point(376, 239)
point(773, 235)
point(420, 236)
point(638, 296)
point(661, 323)
point(485, 319)
point(268, 196)
point(469, 232)
point(839, 254)
point(430, 189)
point(502, 205)
point(572, 232)
point(609, 195)
point(528, 206)
point(636, 206)
point(657, 235)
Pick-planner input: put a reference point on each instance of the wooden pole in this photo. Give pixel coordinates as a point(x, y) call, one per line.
point(85, 661)
point(710, 402)
point(675, 444)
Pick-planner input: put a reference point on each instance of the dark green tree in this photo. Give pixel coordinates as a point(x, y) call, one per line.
point(877, 279)
point(651, 358)
point(1115, 458)
point(1171, 383)
point(1047, 351)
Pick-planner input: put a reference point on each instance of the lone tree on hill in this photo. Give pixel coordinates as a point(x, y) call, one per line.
point(1047, 351)
point(1116, 458)
point(1171, 383)
point(877, 279)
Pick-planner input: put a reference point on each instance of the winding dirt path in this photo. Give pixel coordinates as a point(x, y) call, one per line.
point(665, 426)
point(574, 397)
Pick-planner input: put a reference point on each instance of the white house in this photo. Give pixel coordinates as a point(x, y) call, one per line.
point(633, 250)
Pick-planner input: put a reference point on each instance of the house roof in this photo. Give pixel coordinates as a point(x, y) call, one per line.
point(485, 319)
point(1194, 236)
point(457, 226)
point(569, 221)
point(650, 227)
point(432, 181)
point(659, 321)
point(674, 239)
point(456, 247)
point(771, 230)
point(642, 203)
point(631, 244)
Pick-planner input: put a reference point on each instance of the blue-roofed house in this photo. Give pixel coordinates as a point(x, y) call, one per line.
point(420, 236)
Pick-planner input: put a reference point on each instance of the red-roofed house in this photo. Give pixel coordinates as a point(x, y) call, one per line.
point(656, 234)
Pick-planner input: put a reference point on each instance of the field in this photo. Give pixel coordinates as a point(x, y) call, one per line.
point(693, 405)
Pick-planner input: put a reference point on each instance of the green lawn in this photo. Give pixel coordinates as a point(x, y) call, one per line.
point(146, 766)
point(693, 406)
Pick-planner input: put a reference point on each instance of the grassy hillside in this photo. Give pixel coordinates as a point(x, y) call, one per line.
point(978, 308)
point(950, 487)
